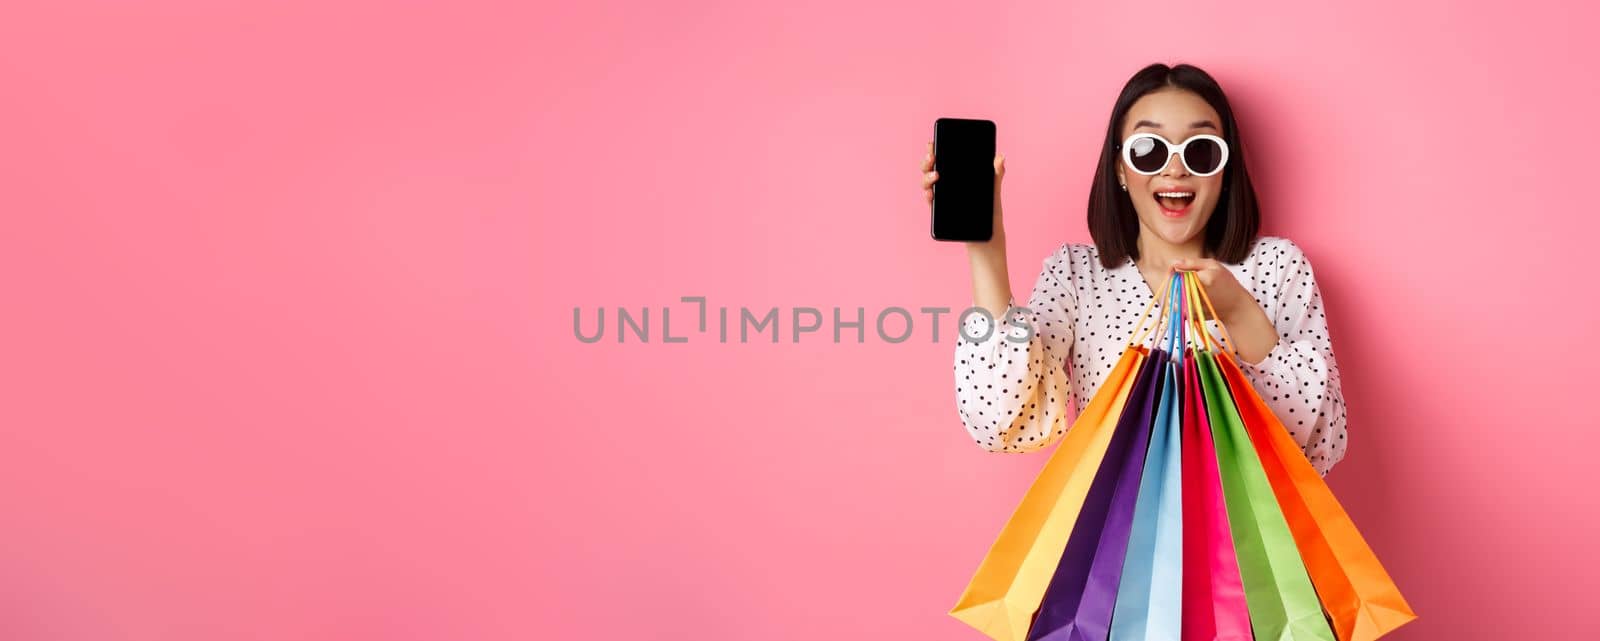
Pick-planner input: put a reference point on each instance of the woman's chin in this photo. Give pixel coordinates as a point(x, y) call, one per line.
point(1175, 232)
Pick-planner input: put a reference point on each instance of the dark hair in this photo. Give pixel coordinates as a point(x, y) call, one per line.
point(1113, 223)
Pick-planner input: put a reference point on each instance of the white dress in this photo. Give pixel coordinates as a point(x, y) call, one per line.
point(1014, 395)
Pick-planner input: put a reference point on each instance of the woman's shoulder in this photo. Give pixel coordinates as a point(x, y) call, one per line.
point(1274, 264)
point(1073, 265)
point(1276, 250)
point(1077, 260)
point(1276, 256)
point(1078, 251)
point(1080, 255)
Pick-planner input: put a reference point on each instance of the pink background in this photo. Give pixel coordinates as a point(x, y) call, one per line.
point(287, 346)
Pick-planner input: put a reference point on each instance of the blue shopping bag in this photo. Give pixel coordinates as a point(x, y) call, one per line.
point(1149, 603)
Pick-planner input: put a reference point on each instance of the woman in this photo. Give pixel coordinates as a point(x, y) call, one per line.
point(1152, 210)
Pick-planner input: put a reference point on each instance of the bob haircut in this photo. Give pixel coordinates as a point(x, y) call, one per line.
point(1113, 222)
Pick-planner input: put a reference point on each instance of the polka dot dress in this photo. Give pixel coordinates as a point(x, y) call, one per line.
point(1014, 395)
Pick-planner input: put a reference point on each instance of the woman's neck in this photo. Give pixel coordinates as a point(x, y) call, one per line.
point(1156, 254)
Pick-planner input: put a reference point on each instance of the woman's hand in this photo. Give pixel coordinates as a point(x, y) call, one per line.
point(1228, 297)
point(1248, 325)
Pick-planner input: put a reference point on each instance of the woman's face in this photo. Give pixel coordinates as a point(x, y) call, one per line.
point(1174, 114)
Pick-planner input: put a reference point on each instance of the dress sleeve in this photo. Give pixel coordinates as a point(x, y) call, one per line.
point(1299, 378)
point(1012, 388)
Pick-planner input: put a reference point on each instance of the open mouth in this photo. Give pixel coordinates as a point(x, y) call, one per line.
point(1175, 200)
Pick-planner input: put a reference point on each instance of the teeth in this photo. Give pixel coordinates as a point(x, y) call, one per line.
point(1175, 194)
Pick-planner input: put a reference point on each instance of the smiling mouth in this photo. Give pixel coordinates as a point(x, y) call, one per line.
point(1175, 201)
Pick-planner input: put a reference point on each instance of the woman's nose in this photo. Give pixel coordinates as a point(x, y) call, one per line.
point(1175, 166)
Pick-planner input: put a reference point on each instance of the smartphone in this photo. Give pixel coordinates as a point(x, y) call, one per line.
point(963, 197)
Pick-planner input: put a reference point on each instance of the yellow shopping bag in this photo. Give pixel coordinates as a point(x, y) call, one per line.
point(1005, 592)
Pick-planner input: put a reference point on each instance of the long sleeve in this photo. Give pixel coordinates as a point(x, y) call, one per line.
point(1299, 378)
point(1012, 394)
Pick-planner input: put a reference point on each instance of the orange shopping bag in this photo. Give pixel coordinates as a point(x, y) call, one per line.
point(1356, 593)
point(1005, 592)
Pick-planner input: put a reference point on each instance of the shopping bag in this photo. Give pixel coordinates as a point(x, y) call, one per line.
point(1354, 589)
point(1214, 606)
point(1150, 598)
point(1283, 604)
point(1078, 603)
point(1004, 593)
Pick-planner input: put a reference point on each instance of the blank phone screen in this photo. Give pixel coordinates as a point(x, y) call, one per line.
point(963, 197)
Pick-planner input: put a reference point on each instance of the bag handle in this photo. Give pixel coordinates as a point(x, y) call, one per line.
point(1162, 323)
point(1176, 329)
point(1169, 304)
point(1175, 326)
point(1186, 313)
point(1193, 325)
point(1137, 337)
point(1197, 294)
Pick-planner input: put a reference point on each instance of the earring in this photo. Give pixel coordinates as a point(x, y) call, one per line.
point(1124, 186)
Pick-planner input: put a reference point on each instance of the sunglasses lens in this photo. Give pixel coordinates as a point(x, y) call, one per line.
point(1203, 155)
point(1148, 154)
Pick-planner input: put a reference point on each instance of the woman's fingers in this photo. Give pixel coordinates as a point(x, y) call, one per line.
point(1195, 264)
point(1203, 268)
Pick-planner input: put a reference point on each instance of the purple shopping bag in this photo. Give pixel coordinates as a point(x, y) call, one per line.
point(1082, 593)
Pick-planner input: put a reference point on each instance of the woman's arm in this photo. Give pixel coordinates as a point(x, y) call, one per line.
point(991, 282)
point(1012, 393)
point(1299, 376)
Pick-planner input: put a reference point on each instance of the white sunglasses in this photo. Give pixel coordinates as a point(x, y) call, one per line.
point(1148, 153)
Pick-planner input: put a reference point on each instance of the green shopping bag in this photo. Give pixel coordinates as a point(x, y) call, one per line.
point(1278, 591)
